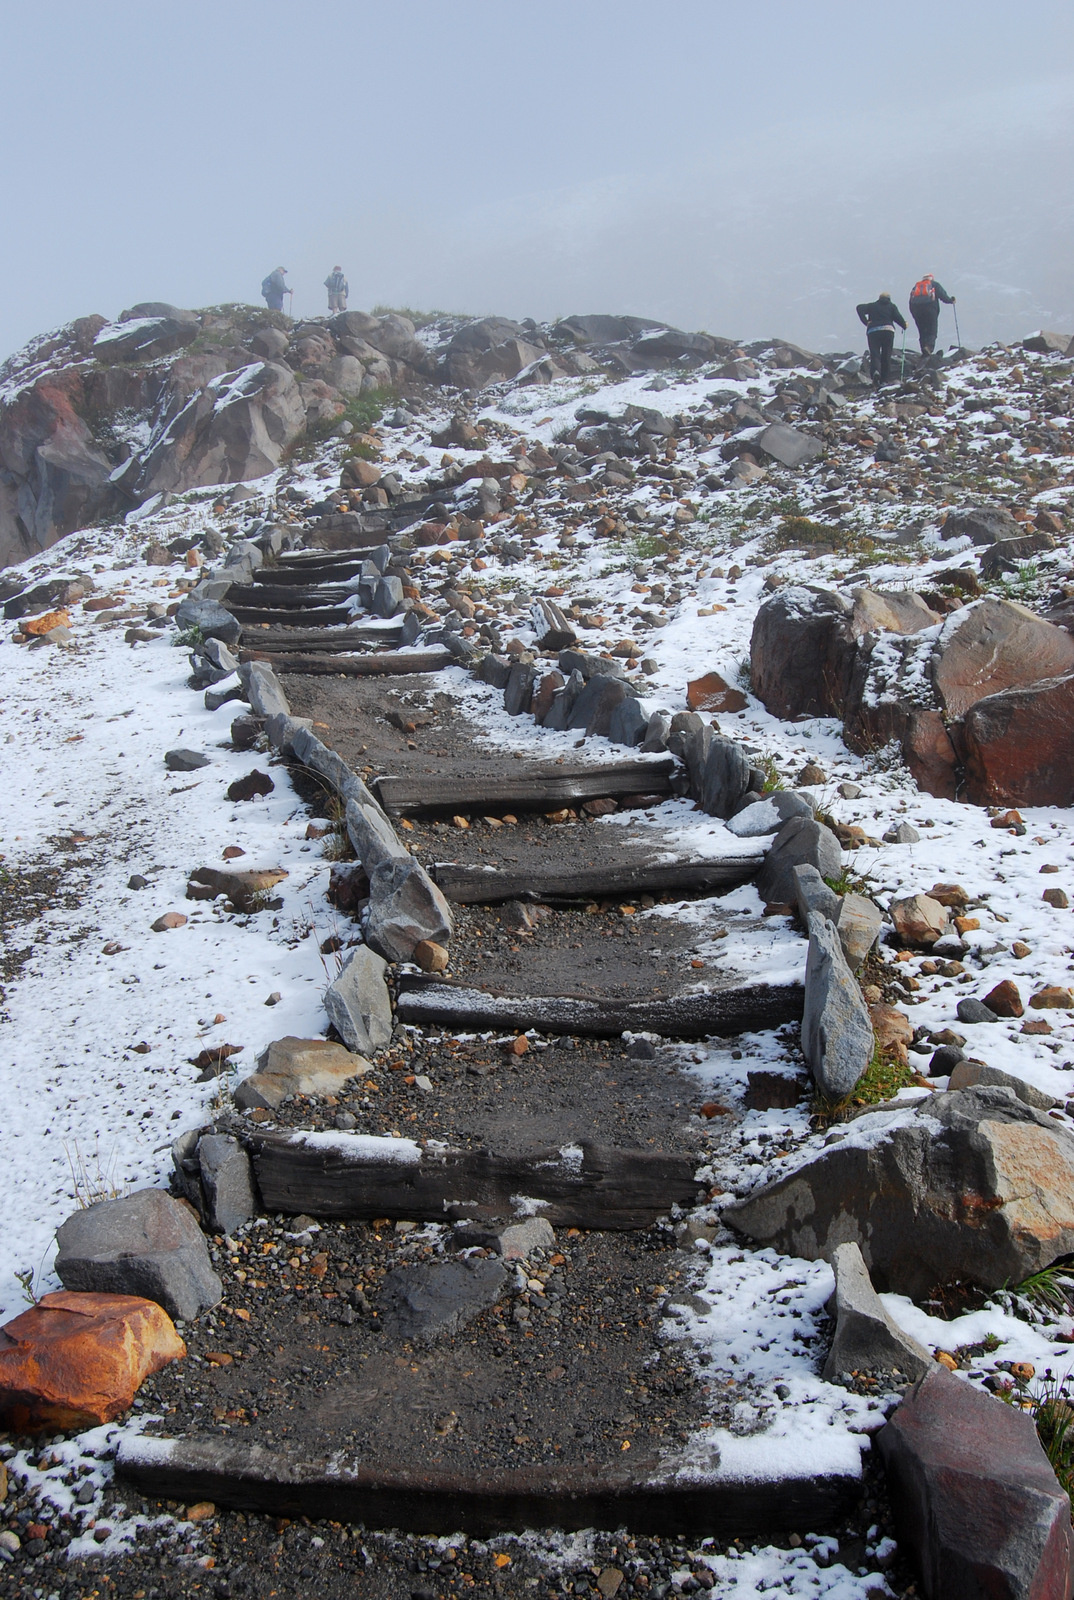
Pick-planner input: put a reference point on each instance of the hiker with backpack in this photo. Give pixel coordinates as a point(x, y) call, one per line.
point(925, 299)
point(273, 289)
point(338, 290)
point(880, 316)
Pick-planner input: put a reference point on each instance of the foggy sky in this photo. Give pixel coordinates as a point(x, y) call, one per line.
point(751, 170)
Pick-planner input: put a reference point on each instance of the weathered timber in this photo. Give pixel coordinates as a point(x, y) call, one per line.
point(320, 616)
point(600, 1187)
point(741, 1008)
point(394, 663)
point(538, 788)
point(426, 1500)
point(323, 570)
point(322, 640)
point(489, 886)
point(287, 596)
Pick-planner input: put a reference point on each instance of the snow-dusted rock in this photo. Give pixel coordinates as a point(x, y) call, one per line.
point(837, 1035)
point(145, 1244)
point(800, 842)
point(359, 1005)
point(866, 1339)
point(405, 908)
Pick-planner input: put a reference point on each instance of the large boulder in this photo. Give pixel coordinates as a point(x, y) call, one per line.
point(55, 477)
point(1018, 747)
point(75, 1361)
point(995, 645)
point(982, 524)
point(145, 1244)
point(802, 652)
point(973, 1186)
point(211, 619)
point(602, 329)
point(787, 445)
point(234, 429)
point(837, 1034)
point(977, 1505)
point(147, 337)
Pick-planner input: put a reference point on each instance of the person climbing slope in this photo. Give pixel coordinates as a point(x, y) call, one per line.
point(338, 290)
point(925, 299)
point(880, 316)
point(273, 289)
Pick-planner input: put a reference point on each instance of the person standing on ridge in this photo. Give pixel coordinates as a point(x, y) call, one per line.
point(880, 317)
point(273, 289)
point(925, 299)
point(338, 290)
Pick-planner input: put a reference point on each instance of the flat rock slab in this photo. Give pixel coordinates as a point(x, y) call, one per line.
point(738, 1007)
point(424, 1500)
point(362, 1176)
point(423, 1302)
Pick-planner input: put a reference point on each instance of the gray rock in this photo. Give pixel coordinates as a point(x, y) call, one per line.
point(973, 1186)
point(227, 1182)
point(944, 1060)
point(234, 429)
point(147, 1244)
point(812, 894)
point(438, 1298)
point(787, 446)
point(849, 791)
point(858, 925)
point(210, 617)
point(263, 689)
point(769, 814)
point(837, 1033)
point(185, 760)
point(518, 691)
point(629, 724)
point(589, 666)
point(359, 1005)
point(387, 596)
point(902, 833)
point(971, 1010)
point(219, 695)
point(800, 842)
point(726, 777)
point(866, 1339)
point(563, 702)
point(371, 834)
point(596, 704)
point(657, 732)
point(967, 1074)
point(282, 731)
point(494, 670)
point(332, 768)
point(982, 524)
point(518, 1241)
point(405, 907)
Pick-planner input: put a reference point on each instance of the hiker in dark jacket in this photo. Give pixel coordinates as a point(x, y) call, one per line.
point(273, 289)
point(338, 290)
point(925, 299)
point(880, 317)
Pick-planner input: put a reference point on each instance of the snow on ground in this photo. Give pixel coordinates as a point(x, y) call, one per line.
point(83, 732)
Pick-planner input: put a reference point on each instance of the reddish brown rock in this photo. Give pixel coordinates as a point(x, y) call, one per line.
point(545, 693)
point(976, 1502)
point(1056, 898)
point(1005, 1000)
point(918, 919)
point(713, 693)
point(77, 1360)
point(170, 920)
point(1019, 745)
point(252, 787)
point(1053, 997)
point(994, 646)
point(802, 652)
point(893, 1029)
point(929, 753)
point(430, 956)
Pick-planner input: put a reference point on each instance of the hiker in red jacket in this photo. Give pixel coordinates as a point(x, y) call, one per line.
point(925, 299)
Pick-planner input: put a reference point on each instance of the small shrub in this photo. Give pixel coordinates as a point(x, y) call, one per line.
point(881, 1081)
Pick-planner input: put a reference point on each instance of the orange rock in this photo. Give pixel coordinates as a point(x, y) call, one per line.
point(713, 693)
point(1056, 898)
point(1036, 1025)
point(967, 924)
point(891, 1026)
point(51, 619)
point(1005, 1000)
point(1053, 997)
point(430, 956)
point(952, 895)
point(77, 1360)
point(519, 1046)
point(170, 919)
point(946, 1359)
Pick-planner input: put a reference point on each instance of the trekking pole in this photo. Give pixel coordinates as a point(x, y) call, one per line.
point(958, 336)
point(291, 309)
point(902, 367)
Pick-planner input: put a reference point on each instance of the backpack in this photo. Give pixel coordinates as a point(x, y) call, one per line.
point(924, 289)
point(267, 285)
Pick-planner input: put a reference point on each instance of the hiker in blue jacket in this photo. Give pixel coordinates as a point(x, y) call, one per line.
point(338, 290)
point(273, 289)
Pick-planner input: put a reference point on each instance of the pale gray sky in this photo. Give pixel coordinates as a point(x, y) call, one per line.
point(749, 169)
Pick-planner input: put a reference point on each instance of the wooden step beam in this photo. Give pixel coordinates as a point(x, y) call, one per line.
point(690, 1502)
point(488, 886)
point(286, 596)
point(739, 1008)
point(534, 788)
point(311, 616)
point(322, 640)
point(395, 663)
point(598, 1187)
